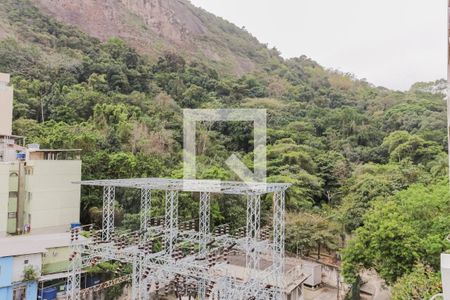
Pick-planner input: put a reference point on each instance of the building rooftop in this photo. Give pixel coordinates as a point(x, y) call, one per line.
point(5, 78)
point(295, 270)
point(11, 136)
point(30, 244)
point(35, 153)
point(54, 150)
point(188, 185)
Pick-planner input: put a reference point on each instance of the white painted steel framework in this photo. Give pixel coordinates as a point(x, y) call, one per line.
point(253, 232)
point(75, 266)
point(204, 231)
point(145, 208)
point(204, 221)
point(278, 236)
point(186, 258)
point(171, 222)
point(108, 212)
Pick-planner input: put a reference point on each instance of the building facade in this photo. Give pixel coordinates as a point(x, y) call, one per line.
point(13, 282)
point(47, 255)
point(36, 185)
point(38, 204)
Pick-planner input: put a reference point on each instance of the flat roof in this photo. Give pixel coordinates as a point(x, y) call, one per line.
point(188, 185)
point(294, 273)
point(54, 150)
point(11, 136)
point(31, 244)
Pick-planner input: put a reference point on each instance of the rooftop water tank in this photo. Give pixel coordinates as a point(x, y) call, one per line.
point(49, 293)
point(21, 156)
point(75, 225)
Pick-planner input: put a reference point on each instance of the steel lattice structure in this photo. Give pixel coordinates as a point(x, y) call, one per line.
point(186, 258)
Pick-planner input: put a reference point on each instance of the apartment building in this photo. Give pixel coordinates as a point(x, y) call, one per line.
point(37, 193)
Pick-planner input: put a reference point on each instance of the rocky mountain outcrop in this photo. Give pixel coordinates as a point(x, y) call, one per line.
point(155, 26)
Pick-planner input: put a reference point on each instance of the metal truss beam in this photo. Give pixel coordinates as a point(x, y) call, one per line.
point(253, 232)
point(171, 221)
point(136, 279)
point(185, 185)
point(74, 272)
point(204, 221)
point(146, 195)
point(205, 270)
point(108, 212)
point(204, 229)
point(278, 236)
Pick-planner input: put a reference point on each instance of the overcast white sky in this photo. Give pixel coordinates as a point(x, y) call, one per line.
point(392, 43)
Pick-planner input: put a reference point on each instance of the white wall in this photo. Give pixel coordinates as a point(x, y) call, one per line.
point(6, 105)
point(330, 275)
point(34, 260)
point(55, 200)
point(4, 195)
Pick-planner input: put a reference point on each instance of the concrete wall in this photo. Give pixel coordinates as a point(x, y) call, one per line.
point(32, 288)
point(49, 201)
point(34, 260)
point(6, 105)
point(330, 275)
point(296, 294)
point(16, 189)
point(6, 271)
point(9, 267)
point(53, 199)
point(6, 293)
point(56, 260)
point(4, 195)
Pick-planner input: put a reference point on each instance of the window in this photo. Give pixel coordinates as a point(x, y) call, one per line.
point(13, 194)
point(25, 262)
point(29, 171)
point(19, 293)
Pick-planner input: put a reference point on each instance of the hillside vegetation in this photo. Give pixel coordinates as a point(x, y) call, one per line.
point(368, 165)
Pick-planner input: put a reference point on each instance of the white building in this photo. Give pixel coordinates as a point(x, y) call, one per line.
point(36, 190)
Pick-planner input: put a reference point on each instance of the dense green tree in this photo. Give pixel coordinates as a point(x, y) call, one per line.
point(401, 231)
point(390, 246)
point(306, 233)
point(422, 283)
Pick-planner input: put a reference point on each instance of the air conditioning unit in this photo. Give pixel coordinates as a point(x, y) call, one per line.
point(314, 273)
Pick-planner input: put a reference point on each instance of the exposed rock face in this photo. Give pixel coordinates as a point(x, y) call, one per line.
point(154, 26)
point(171, 19)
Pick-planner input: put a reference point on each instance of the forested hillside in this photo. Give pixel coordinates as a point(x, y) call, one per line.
point(368, 165)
